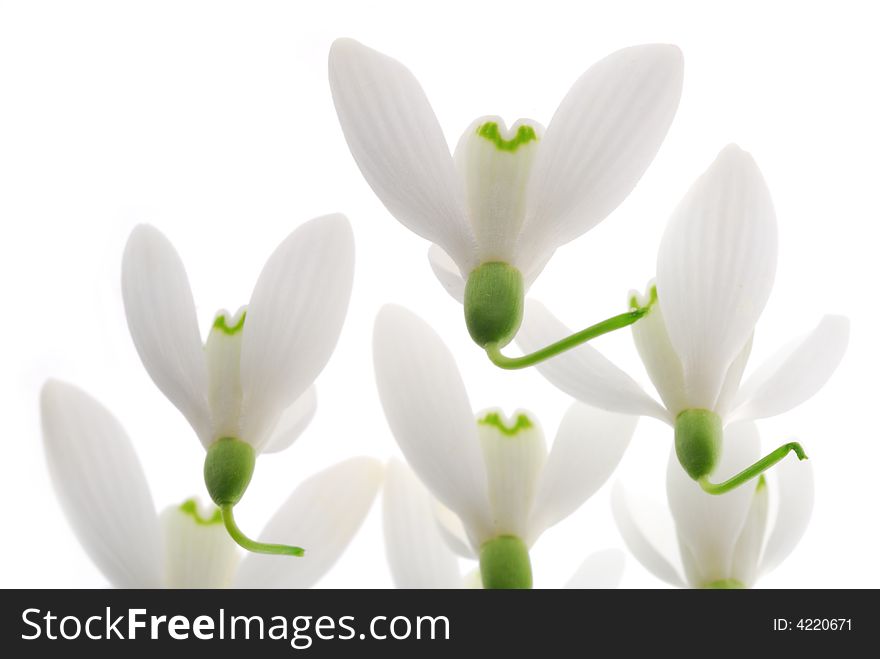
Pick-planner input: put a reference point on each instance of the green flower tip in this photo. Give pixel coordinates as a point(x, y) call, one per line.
point(493, 303)
point(495, 420)
point(635, 303)
point(190, 507)
point(491, 132)
point(222, 323)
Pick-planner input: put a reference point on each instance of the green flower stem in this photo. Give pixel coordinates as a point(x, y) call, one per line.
point(756, 469)
point(253, 545)
point(493, 350)
point(505, 564)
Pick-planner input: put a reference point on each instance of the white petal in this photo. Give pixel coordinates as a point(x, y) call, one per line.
point(514, 452)
point(162, 320)
point(430, 415)
point(397, 143)
point(293, 321)
point(748, 548)
point(454, 533)
point(293, 421)
point(447, 272)
point(583, 372)
point(101, 487)
point(495, 164)
point(647, 533)
point(715, 270)
point(601, 140)
point(732, 382)
point(794, 479)
point(198, 551)
point(709, 525)
point(223, 357)
point(416, 551)
point(795, 373)
point(587, 449)
point(603, 569)
point(321, 516)
point(659, 357)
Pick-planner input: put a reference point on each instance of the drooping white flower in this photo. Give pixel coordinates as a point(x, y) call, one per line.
point(715, 270)
point(495, 474)
point(719, 542)
point(251, 380)
point(104, 493)
point(506, 196)
point(417, 549)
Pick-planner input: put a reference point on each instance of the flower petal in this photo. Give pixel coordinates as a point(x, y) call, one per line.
point(447, 272)
point(322, 516)
point(514, 452)
point(715, 270)
point(495, 164)
point(657, 354)
point(603, 569)
point(732, 381)
point(293, 421)
point(748, 548)
point(794, 479)
point(601, 140)
point(430, 415)
point(416, 551)
point(646, 536)
point(293, 320)
point(198, 551)
point(795, 373)
point(587, 449)
point(397, 143)
point(101, 487)
point(162, 320)
point(709, 525)
point(583, 372)
point(454, 533)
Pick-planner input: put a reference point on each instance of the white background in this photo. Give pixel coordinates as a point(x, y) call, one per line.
point(213, 121)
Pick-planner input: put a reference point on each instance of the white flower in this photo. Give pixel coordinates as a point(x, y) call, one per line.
point(420, 557)
point(251, 379)
point(104, 493)
point(494, 474)
point(715, 270)
point(507, 195)
point(726, 541)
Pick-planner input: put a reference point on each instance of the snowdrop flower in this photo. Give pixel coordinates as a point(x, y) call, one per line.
point(419, 556)
point(248, 388)
point(494, 473)
point(719, 542)
point(715, 270)
point(104, 493)
point(498, 208)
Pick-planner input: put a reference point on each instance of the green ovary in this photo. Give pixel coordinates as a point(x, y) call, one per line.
point(505, 564)
point(493, 303)
point(229, 465)
point(698, 435)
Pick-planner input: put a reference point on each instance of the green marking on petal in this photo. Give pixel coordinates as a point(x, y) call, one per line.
point(652, 299)
point(220, 324)
point(494, 419)
point(491, 132)
point(191, 508)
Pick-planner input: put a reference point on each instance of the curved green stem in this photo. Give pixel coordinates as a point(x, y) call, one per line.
point(615, 323)
point(756, 469)
point(253, 545)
